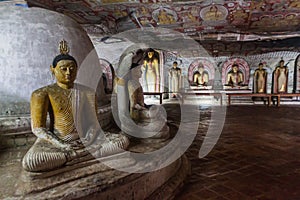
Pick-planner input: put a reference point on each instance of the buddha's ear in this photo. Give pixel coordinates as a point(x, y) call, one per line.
point(52, 68)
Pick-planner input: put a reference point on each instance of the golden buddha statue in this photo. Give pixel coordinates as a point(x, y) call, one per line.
point(259, 80)
point(280, 78)
point(74, 130)
point(200, 77)
point(234, 76)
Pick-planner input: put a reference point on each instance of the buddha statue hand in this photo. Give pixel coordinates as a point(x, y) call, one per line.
point(50, 137)
point(139, 107)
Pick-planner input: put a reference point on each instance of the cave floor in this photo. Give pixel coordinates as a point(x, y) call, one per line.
point(257, 156)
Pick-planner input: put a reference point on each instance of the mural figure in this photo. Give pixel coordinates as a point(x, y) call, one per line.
point(280, 78)
point(213, 14)
point(151, 73)
point(234, 76)
point(174, 79)
point(260, 79)
point(164, 17)
point(200, 77)
point(74, 130)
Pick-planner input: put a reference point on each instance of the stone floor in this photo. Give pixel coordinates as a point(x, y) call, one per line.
point(256, 157)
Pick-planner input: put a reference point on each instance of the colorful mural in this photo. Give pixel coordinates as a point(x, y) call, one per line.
point(190, 17)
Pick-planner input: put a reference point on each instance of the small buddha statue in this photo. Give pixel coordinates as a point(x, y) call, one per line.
point(280, 78)
point(235, 77)
point(174, 79)
point(259, 80)
point(200, 77)
point(74, 131)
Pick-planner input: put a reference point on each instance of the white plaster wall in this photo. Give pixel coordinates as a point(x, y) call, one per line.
point(29, 40)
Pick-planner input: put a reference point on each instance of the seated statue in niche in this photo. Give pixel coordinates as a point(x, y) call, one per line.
point(141, 113)
point(280, 78)
point(234, 77)
point(74, 131)
point(151, 74)
point(200, 77)
point(260, 79)
point(174, 79)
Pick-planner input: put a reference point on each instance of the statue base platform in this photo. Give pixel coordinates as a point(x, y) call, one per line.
point(92, 179)
point(199, 87)
point(242, 87)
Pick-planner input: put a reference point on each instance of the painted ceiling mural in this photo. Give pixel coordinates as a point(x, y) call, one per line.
point(189, 17)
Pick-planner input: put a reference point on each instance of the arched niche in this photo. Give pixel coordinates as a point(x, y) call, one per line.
point(243, 67)
point(208, 67)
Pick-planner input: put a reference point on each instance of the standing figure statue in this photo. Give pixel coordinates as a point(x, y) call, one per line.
point(144, 122)
point(151, 73)
point(74, 131)
point(174, 79)
point(200, 77)
point(235, 76)
point(260, 79)
point(280, 78)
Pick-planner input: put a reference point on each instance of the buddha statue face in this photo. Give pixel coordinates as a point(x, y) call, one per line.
point(175, 65)
point(260, 66)
point(281, 63)
point(150, 54)
point(235, 68)
point(201, 69)
point(65, 72)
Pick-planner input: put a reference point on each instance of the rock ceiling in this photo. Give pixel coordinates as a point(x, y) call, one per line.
point(206, 20)
point(189, 17)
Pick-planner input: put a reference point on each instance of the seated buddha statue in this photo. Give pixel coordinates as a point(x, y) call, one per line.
point(147, 121)
point(200, 77)
point(74, 131)
point(235, 77)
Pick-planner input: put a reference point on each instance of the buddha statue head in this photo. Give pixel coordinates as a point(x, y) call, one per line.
point(281, 63)
point(175, 64)
point(260, 66)
point(200, 68)
point(64, 67)
point(235, 68)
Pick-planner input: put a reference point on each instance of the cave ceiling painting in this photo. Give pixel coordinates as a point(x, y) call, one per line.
point(190, 17)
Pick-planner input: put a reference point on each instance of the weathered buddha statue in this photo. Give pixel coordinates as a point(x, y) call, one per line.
point(200, 77)
point(151, 73)
point(280, 78)
point(143, 121)
point(174, 79)
point(260, 79)
point(235, 77)
point(74, 131)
